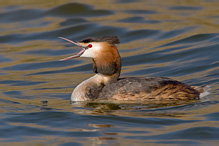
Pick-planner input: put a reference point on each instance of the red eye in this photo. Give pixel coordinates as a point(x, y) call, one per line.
point(90, 46)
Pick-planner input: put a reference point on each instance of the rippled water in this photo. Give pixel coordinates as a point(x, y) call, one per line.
point(177, 39)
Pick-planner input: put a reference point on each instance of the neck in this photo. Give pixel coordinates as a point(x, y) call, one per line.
point(108, 63)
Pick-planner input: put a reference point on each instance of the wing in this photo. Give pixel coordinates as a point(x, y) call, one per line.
point(149, 88)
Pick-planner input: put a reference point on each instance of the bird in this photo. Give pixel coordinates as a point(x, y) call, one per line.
point(107, 85)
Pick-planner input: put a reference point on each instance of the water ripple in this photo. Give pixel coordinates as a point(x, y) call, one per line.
point(179, 8)
point(77, 9)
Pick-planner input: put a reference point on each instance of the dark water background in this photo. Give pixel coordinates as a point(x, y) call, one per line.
point(171, 38)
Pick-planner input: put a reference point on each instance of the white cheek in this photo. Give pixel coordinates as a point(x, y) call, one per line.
point(88, 53)
point(91, 52)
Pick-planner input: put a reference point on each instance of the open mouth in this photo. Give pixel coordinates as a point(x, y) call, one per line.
point(77, 44)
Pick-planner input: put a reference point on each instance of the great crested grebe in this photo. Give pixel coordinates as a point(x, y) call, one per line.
point(106, 84)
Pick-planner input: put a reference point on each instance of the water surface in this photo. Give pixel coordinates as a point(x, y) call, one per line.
point(176, 39)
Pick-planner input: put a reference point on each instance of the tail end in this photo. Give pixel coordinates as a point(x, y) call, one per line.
point(203, 90)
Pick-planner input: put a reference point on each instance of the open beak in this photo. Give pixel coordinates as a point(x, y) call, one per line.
point(77, 44)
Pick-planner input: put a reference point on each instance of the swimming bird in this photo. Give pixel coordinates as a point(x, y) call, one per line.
point(106, 84)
